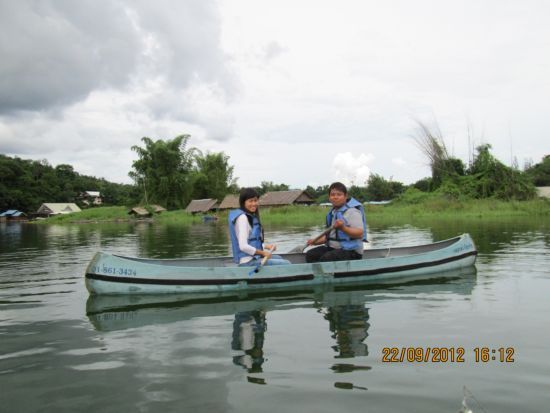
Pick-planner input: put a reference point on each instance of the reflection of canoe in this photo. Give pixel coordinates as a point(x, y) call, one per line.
point(118, 312)
point(113, 274)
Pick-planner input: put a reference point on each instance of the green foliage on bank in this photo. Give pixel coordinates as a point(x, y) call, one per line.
point(294, 215)
point(413, 204)
point(120, 214)
point(99, 214)
point(27, 184)
point(540, 173)
point(441, 205)
point(171, 174)
point(486, 177)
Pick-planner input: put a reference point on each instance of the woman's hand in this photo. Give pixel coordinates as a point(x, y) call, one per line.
point(269, 248)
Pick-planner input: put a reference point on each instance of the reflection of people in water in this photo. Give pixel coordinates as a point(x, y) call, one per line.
point(349, 325)
point(248, 335)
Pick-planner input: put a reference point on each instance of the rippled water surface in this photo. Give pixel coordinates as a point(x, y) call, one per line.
point(313, 350)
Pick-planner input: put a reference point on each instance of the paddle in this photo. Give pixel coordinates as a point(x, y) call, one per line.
point(300, 248)
point(259, 265)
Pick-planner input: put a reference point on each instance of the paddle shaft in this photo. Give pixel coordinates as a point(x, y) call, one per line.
point(324, 233)
point(300, 249)
point(262, 262)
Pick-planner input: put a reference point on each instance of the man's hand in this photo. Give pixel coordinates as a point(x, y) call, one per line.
point(339, 224)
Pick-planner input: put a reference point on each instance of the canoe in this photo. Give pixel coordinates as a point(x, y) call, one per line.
point(120, 312)
point(115, 274)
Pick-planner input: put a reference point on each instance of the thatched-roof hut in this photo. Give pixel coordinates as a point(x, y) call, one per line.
point(201, 205)
point(157, 209)
point(144, 212)
point(140, 212)
point(279, 198)
point(230, 202)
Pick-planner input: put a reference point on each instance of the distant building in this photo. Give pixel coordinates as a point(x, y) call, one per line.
point(13, 215)
point(50, 209)
point(157, 209)
point(201, 205)
point(140, 212)
point(230, 202)
point(280, 198)
point(143, 212)
point(91, 198)
point(543, 191)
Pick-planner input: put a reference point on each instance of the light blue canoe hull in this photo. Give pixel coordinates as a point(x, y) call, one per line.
point(119, 312)
point(113, 274)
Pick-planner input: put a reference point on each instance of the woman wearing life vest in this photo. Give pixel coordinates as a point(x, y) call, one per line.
point(345, 241)
point(247, 235)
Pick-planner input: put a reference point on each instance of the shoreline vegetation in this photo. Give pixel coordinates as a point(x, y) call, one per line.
point(438, 208)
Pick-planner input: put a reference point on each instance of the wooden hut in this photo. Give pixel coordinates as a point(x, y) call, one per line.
point(280, 198)
point(230, 202)
point(201, 205)
point(140, 212)
point(144, 212)
point(49, 209)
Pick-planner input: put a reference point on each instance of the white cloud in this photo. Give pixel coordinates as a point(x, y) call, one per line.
point(281, 87)
point(399, 161)
point(352, 170)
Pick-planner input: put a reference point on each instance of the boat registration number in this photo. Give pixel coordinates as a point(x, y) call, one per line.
point(114, 270)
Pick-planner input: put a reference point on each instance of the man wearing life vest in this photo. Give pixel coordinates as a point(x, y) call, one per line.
point(345, 241)
point(247, 235)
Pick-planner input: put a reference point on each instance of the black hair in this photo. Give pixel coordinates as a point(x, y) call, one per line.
point(339, 186)
point(246, 193)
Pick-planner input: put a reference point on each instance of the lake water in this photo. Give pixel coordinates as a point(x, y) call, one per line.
point(318, 350)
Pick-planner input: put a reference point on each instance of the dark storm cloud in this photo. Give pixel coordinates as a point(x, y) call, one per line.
point(54, 53)
point(188, 34)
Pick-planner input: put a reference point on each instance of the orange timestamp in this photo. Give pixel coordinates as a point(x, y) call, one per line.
point(446, 354)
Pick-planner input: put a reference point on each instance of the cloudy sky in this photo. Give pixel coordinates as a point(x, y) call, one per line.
point(297, 92)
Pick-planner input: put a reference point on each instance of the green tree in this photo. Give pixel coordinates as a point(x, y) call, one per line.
point(320, 194)
point(424, 184)
point(358, 192)
point(163, 171)
point(66, 180)
point(268, 186)
point(488, 177)
point(213, 177)
point(26, 184)
point(540, 172)
point(380, 189)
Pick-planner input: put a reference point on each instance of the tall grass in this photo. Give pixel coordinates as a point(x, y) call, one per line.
point(294, 215)
point(444, 208)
